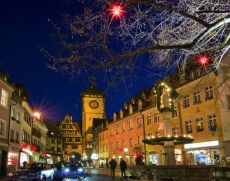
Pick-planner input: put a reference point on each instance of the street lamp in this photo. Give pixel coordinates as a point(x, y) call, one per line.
point(37, 114)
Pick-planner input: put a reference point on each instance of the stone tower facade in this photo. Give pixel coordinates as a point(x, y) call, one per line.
point(93, 106)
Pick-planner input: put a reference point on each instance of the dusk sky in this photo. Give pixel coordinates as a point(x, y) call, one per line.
point(24, 30)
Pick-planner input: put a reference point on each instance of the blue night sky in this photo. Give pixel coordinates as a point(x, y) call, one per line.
point(24, 29)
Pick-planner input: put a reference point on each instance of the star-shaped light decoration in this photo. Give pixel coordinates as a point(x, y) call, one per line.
point(116, 10)
point(203, 60)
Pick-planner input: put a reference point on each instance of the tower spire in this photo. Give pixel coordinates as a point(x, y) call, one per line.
point(93, 82)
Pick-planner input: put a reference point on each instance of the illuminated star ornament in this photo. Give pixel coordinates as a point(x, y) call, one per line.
point(203, 60)
point(116, 10)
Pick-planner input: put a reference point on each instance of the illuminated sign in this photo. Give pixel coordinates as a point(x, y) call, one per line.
point(202, 144)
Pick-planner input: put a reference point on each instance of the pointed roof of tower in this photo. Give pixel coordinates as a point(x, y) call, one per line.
point(92, 89)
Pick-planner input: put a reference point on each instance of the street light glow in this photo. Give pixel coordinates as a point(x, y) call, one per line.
point(37, 114)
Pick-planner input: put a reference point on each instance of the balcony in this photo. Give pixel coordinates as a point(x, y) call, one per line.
point(36, 133)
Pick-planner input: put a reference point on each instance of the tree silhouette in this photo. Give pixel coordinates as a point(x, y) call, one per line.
point(151, 35)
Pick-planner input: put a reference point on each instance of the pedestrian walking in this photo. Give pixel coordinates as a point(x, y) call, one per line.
point(113, 165)
point(123, 167)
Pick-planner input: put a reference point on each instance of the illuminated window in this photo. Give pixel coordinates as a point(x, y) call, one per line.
point(117, 131)
point(139, 122)
point(174, 114)
point(123, 126)
point(3, 98)
point(131, 142)
point(188, 126)
point(186, 101)
point(208, 93)
point(130, 124)
point(156, 118)
point(139, 105)
point(148, 120)
point(123, 143)
point(199, 124)
point(139, 140)
point(175, 131)
point(212, 122)
point(2, 128)
point(196, 97)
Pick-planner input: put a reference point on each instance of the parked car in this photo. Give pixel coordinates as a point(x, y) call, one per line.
point(34, 172)
point(70, 171)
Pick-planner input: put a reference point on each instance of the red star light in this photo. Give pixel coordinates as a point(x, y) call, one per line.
point(203, 60)
point(116, 10)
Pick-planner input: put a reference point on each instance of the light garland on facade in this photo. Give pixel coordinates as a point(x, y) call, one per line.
point(178, 140)
point(165, 93)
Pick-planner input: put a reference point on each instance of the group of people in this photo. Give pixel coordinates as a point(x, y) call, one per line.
point(122, 165)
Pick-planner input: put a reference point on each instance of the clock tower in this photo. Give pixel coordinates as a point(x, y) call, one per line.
point(93, 106)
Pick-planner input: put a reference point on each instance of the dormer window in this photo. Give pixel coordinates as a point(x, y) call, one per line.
point(139, 105)
point(192, 75)
point(132, 101)
point(143, 96)
point(130, 109)
point(125, 106)
point(114, 116)
point(121, 113)
point(198, 72)
point(182, 78)
point(153, 99)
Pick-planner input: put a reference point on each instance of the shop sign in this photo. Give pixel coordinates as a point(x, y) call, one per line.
point(202, 144)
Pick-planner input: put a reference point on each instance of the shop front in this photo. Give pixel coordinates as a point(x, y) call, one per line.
point(153, 158)
point(13, 160)
point(24, 158)
point(3, 160)
point(158, 158)
point(203, 153)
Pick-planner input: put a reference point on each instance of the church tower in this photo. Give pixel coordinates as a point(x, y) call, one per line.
point(93, 106)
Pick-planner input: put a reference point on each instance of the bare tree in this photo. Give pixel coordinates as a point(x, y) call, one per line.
point(151, 34)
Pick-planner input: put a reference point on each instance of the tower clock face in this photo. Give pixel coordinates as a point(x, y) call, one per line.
point(93, 104)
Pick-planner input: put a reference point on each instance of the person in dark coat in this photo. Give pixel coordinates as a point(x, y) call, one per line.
point(113, 165)
point(123, 167)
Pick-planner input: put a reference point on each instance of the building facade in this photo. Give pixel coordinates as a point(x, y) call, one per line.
point(72, 139)
point(93, 106)
point(17, 116)
point(201, 111)
point(6, 91)
point(54, 143)
point(25, 153)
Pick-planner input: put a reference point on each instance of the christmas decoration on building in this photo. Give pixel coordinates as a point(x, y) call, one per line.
point(165, 93)
point(178, 140)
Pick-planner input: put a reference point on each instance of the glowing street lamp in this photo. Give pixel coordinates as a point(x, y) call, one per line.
point(125, 150)
point(37, 114)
